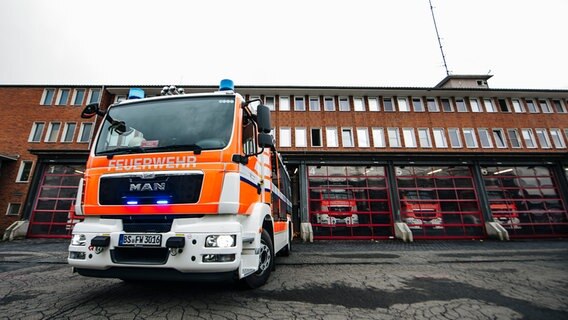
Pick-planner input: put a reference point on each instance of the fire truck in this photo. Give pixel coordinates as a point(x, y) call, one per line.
point(338, 207)
point(420, 207)
point(182, 187)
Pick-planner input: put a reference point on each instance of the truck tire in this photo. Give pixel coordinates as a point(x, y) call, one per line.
point(266, 263)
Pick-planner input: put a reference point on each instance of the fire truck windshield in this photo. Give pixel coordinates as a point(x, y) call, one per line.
point(192, 123)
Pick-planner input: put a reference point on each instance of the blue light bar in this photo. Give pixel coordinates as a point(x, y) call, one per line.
point(162, 202)
point(131, 202)
point(226, 85)
point(135, 93)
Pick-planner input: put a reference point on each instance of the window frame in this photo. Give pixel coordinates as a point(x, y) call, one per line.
point(361, 108)
point(76, 91)
point(21, 171)
point(284, 101)
point(484, 132)
point(443, 140)
point(449, 101)
point(422, 107)
point(531, 138)
point(34, 130)
point(531, 102)
point(518, 106)
point(379, 138)
point(346, 106)
point(351, 137)
point(45, 95)
point(547, 107)
point(410, 133)
point(302, 103)
point(82, 129)
point(471, 132)
point(395, 135)
point(271, 106)
point(517, 139)
point(436, 105)
point(10, 206)
point(428, 138)
point(376, 106)
point(49, 138)
point(543, 138)
point(285, 132)
point(320, 137)
point(489, 105)
point(317, 103)
point(457, 135)
point(66, 130)
point(561, 142)
point(299, 141)
point(391, 103)
point(477, 108)
point(464, 109)
point(327, 99)
point(92, 93)
point(404, 106)
point(503, 138)
point(366, 142)
point(60, 96)
point(328, 137)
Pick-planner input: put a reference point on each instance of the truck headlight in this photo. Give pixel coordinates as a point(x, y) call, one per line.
point(220, 241)
point(79, 240)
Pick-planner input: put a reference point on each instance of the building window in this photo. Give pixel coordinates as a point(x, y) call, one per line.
point(489, 107)
point(85, 132)
point(484, 138)
point(269, 102)
point(418, 105)
point(394, 137)
point(432, 105)
point(403, 104)
point(314, 104)
point(531, 106)
point(447, 105)
point(440, 138)
point(284, 103)
point(62, 97)
point(528, 137)
point(328, 104)
point(409, 137)
point(94, 95)
point(544, 106)
point(503, 105)
point(316, 137)
point(557, 138)
point(499, 137)
point(68, 132)
point(358, 104)
point(299, 104)
point(13, 209)
point(374, 104)
point(47, 97)
point(470, 140)
point(24, 171)
point(518, 106)
point(37, 132)
point(331, 137)
point(78, 96)
point(543, 138)
point(52, 132)
point(363, 138)
point(474, 105)
point(559, 106)
point(378, 137)
point(388, 105)
point(285, 137)
point(460, 103)
point(455, 139)
point(300, 137)
point(514, 138)
point(424, 137)
point(344, 104)
point(347, 137)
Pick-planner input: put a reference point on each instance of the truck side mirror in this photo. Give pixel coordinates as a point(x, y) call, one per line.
point(263, 119)
point(265, 140)
point(91, 110)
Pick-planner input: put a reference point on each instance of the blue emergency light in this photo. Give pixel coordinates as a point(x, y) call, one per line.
point(135, 93)
point(226, 85)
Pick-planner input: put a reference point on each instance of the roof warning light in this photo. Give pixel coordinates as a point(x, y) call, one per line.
point(226, 85)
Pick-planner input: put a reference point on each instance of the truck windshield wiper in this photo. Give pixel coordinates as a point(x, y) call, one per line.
point(112, 152)
point(190, 147)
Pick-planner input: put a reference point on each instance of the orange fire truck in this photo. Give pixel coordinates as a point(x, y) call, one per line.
point(182, 186)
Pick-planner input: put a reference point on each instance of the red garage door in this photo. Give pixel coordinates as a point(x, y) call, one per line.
point(349, 202)
point(439, 202)
point(55, 196)
point(526, 201)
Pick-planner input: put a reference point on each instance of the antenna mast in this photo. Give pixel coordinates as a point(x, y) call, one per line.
point(439, 40)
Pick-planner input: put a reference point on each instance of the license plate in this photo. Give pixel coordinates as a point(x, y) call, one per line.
point(140, 240)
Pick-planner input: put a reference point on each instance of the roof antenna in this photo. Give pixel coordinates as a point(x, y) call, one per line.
point(439, 40)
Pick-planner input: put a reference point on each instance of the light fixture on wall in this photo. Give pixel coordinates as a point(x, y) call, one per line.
point(434, 171)
point(503, 171)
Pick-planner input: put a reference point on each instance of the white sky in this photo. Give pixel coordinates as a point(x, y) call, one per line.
point(288, 42)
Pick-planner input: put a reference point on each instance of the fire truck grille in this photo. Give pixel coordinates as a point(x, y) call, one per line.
point(339, 209)
point(147, 256)
point(160, 189)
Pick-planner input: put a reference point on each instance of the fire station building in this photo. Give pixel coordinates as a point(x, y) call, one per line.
point(458, 160)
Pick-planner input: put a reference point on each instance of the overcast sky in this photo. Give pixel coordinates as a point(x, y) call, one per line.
point(289, 42)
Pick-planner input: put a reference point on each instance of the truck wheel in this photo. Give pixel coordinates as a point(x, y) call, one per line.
point(265, 264)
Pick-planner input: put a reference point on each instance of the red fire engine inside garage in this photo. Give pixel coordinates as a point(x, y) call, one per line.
point(450, 201)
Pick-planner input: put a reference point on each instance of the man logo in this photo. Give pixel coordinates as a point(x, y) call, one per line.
point(156, 186)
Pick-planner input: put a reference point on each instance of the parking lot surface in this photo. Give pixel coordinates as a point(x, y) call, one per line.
point(320, 280)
